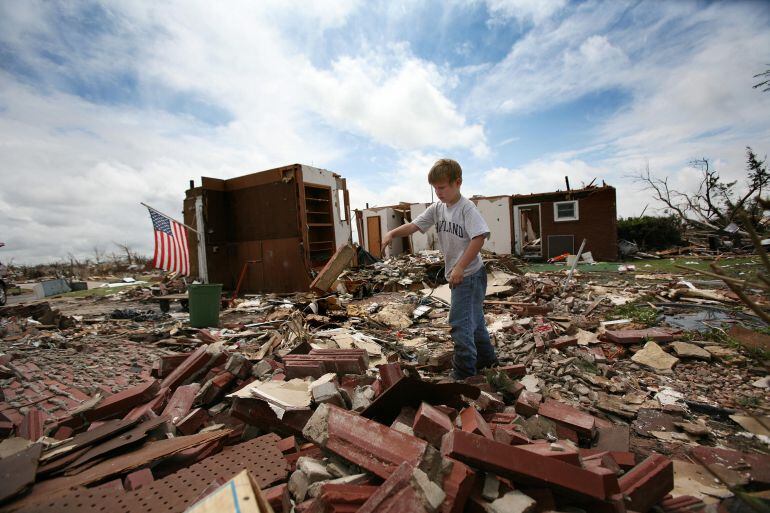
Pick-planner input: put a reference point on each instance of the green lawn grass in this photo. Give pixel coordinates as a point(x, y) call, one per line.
point(664, 265)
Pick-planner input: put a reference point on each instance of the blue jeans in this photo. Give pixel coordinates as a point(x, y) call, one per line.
point(473, 348)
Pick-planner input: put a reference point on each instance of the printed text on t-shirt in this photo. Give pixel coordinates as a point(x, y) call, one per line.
point(450, 227)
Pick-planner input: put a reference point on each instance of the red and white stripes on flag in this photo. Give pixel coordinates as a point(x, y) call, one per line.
point(171, 252)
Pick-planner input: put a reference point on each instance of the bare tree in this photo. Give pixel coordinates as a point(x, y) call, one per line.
point(127, 250)
point(714, 202)
point(765, 83)
point(98, 255)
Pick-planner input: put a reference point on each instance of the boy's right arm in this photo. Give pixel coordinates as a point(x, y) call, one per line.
point(402, 231)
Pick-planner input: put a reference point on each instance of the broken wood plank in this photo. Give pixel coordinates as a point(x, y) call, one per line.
point(333, 268)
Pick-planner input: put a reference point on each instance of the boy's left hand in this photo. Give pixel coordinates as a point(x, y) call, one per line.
point(456, 276)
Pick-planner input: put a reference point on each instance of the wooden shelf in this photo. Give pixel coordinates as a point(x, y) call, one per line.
point(320, 224)
point(308, 198)
point(317, 212)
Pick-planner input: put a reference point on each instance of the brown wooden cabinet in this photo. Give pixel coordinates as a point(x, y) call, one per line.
point(281, 224)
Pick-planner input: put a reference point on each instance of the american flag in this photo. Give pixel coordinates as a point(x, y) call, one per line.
point(171, 252)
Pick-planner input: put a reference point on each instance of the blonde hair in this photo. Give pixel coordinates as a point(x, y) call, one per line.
point(445, 169)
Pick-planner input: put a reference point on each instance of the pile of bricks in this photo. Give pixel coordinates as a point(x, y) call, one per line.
point(345, 433)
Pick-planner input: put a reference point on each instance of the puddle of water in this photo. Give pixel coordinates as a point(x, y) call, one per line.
point(698, 320)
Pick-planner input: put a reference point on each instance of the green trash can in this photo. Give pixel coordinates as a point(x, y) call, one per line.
point(204, 301)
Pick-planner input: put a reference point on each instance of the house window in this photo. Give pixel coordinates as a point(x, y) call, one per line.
point(565, 211)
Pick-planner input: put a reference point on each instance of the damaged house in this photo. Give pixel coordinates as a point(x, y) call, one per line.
point(276, 227)
point(374, 222)
point(549, 224)
point(537, 226)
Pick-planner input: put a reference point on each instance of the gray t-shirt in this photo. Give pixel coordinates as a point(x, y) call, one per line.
point(455, 226)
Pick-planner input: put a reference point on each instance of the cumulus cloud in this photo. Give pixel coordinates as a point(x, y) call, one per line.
point(396, 101)
point(689, 88)
point(106, 105)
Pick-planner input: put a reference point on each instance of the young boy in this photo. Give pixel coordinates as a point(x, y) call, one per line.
point(461, 233)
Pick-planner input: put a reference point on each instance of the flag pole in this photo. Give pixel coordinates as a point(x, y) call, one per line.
point(169, 217)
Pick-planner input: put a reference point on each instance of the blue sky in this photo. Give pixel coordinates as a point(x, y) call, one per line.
point(104, 105)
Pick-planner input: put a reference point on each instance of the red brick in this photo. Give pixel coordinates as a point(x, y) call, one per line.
point(180, 403)
point(274, 496)
point(341, 498)
point(215, 388)
point(514, 370)
point(193, 421)
point(195, 362)
point(509, 434)
point(431, 424)
point(395, 495)
point(648, 483)
point(574, 419)
point(32, 426)
point(150, 409)
point(321, 361)
point(288, 444)
point(539, 344)
point(111, 487)
point(473, 422)
point(63, 433)
point(682, 504)
point(501, 418)
point(138, 478)
point(562, 342)
point(556, 450)
point(377, 448)
point(389, 374)
point(516, 463)
point(626, 460)
point(528, 403)
point(119, 404)
point(457, 484)
point(305, 368)
point(755, 466)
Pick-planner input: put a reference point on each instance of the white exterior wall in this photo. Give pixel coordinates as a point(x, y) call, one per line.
point(343, 233)
point(389, 219)
point(497, 213)
point(422, 241)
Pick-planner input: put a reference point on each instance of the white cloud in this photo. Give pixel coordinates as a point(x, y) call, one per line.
point(74, 170)
point(542, 175)
point(554, 64)
point(687, 71)
point(534, 11)
point(396, 101)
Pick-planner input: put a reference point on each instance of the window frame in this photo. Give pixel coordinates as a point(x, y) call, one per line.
point(558, 219)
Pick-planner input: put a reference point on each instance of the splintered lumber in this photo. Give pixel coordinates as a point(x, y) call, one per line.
point(333, 268)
